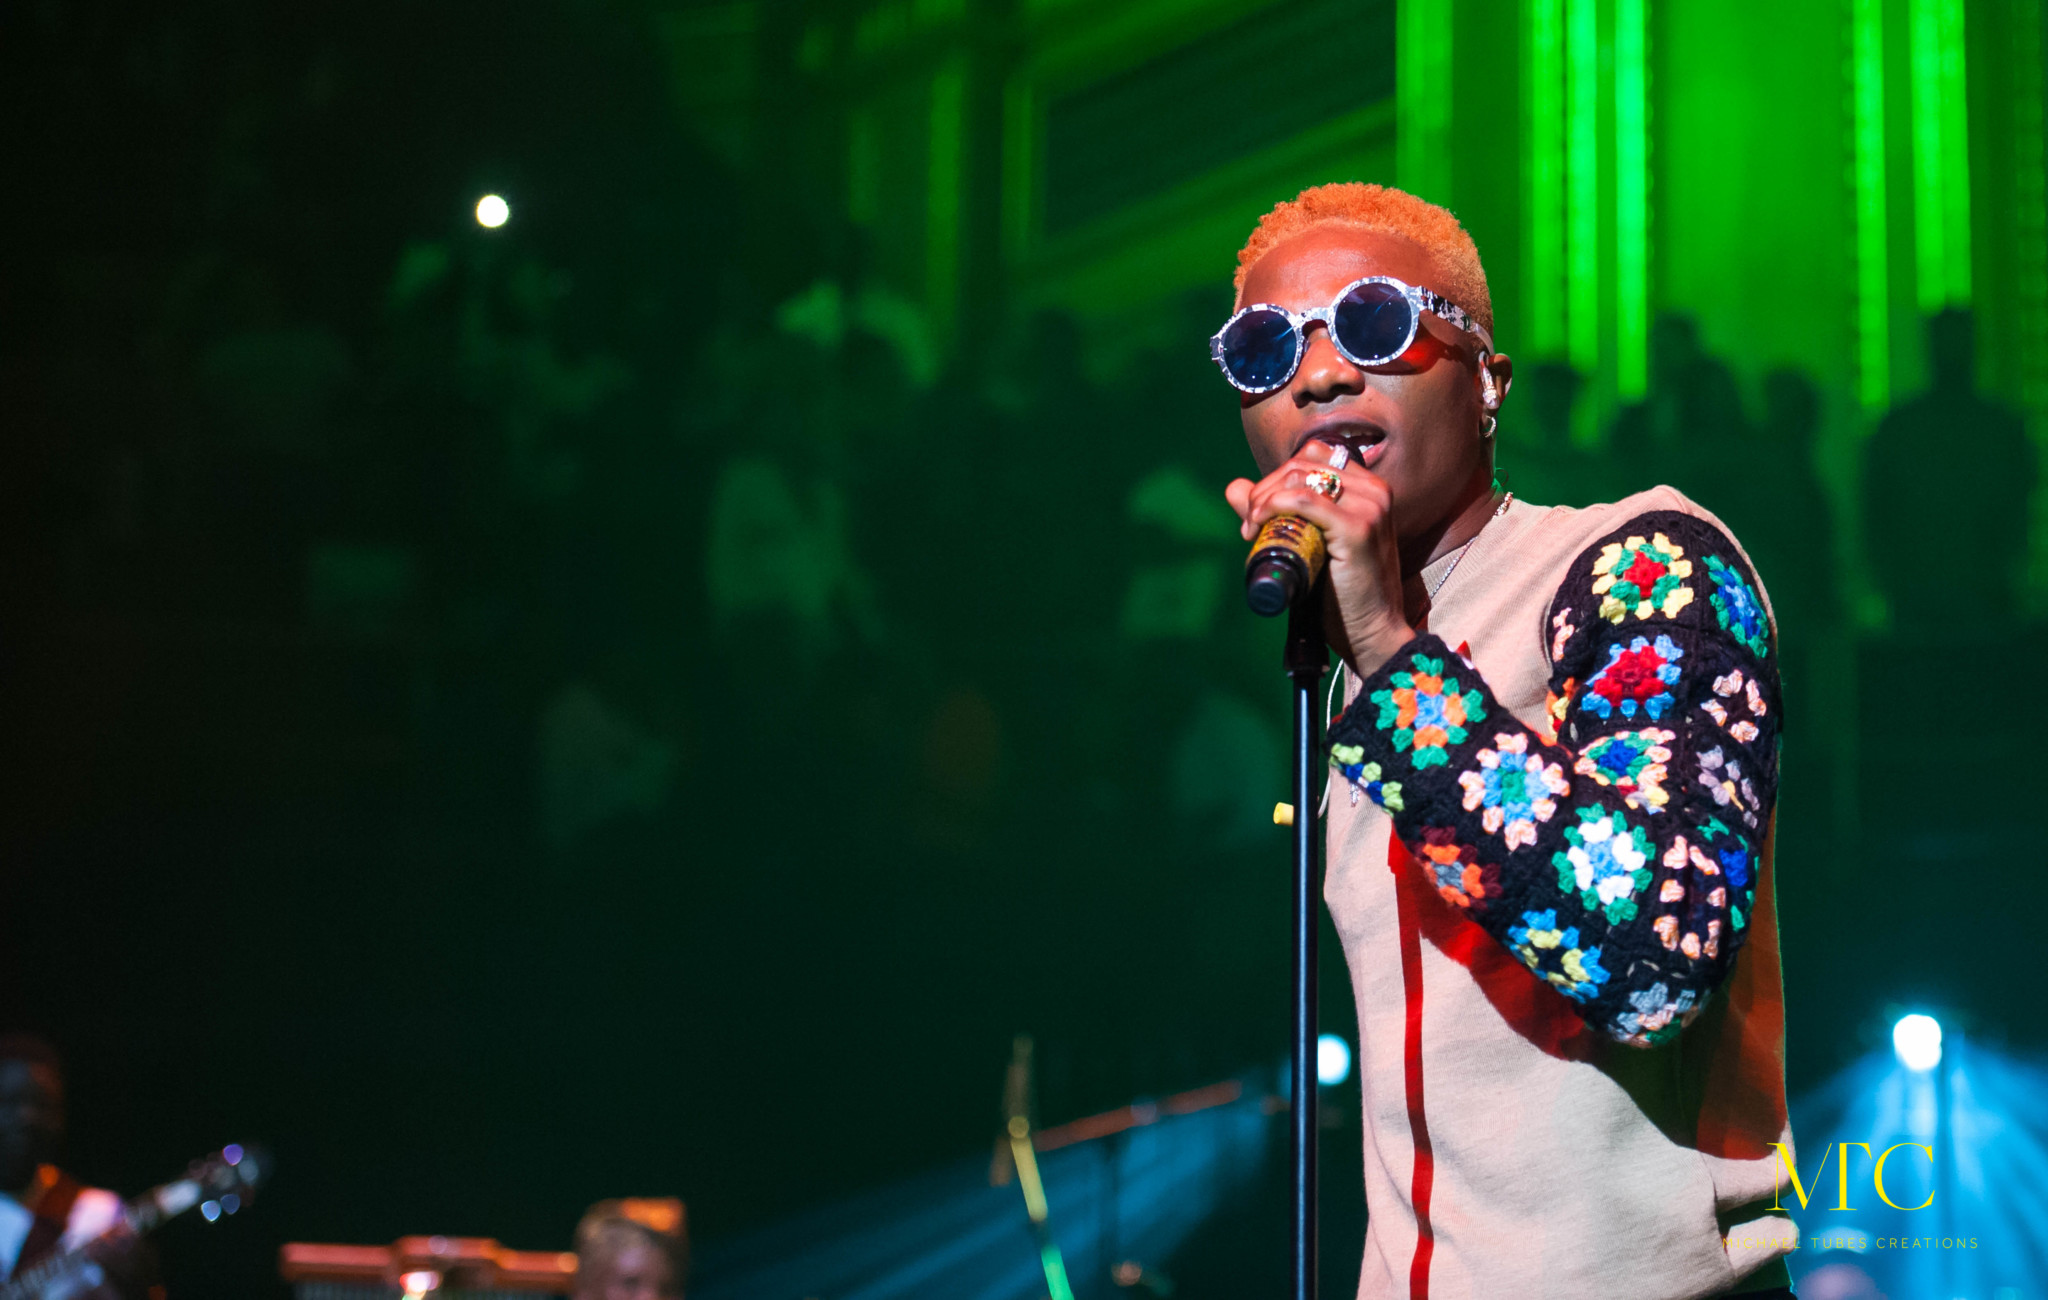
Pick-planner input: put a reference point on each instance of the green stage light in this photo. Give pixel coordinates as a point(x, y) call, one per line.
point(492, 211)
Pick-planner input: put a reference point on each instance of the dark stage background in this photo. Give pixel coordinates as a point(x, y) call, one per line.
point(650, 698)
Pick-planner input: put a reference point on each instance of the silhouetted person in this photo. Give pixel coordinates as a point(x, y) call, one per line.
point(1777, 506)
point(45, 1212)
point(1947, 478)
point(1538, 461)
point(1689, 430)
point(1779, 509)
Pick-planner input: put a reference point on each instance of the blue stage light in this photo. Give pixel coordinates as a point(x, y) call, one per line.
point(1333, 1060)
point(1964, 1126)
point(1133, 1196)
point(1916, 1040)
point(492, 212)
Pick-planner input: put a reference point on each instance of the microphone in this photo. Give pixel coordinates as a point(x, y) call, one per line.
point(1287, 557)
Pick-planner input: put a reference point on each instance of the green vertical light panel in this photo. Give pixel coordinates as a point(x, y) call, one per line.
point(2030, 210)
point(1020, 177)
point(1941, 155)
point(1582, 183)
point(1423, 98)
point(2030, 269)
point(1873, 300)
point(942, 211)
point(1955, 132)
point(1543, 176)
point(1631, 200)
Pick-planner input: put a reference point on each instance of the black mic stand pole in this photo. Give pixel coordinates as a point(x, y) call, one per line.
point(1306, 660)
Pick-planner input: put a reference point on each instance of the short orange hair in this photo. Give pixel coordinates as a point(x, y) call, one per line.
point(1387, 211)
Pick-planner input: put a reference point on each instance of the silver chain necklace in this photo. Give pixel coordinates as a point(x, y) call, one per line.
point(1459, 558)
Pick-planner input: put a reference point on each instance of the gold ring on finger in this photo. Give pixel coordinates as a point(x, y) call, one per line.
point(1325, 482)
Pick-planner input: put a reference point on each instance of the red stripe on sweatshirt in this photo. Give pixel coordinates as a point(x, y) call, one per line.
point(1424, 1177)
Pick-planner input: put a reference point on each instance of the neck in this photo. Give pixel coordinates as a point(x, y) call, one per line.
point(1475, 506)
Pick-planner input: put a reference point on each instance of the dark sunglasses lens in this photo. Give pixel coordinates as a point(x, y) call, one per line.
point(1373, 321)
point(1258, 349)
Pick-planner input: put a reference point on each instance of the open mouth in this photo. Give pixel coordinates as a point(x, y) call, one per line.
point(1367, 442)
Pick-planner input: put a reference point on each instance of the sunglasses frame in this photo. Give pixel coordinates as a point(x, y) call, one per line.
point(1419, 301)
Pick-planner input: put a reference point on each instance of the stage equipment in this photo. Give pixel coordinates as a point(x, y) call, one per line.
point(1017, 1128)
point(217, 1186)
point(1306, 658)
point(1131, 1184)
point(413, 1267)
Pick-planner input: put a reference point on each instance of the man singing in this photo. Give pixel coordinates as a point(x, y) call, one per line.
point(1551, 804)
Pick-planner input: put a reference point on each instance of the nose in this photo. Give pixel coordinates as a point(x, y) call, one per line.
point(1325, 375)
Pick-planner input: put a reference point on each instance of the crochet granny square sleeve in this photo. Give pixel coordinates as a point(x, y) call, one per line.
point(1616, 858)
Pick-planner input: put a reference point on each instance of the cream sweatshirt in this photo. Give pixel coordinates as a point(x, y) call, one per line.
point(1549, 861)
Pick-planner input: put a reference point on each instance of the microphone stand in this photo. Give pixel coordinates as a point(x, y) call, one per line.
point(1306, 660)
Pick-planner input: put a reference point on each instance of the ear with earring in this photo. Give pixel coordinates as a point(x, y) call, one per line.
point(1489, 393)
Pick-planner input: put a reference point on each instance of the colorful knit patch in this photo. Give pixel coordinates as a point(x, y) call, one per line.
point(1427, 711)
point(1732, 684)
point(1637, 677)
point(1561, 631)
point(1737, 607)
point(1633, 762)
point(1710, 891)
point(1690, 943)
point(1516, 789)
point(1654, 1016)
point(1455, 869)
point(1558, 703)
point(1553, 952)
point(1734, 860)
point(1351, 764)
point(1723, 778)
point(1642, 578)
point(1606, 863)
point(1737, 693)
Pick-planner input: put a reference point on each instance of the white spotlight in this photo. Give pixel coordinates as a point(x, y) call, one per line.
point(1916, 1040)
point(1333, 1060)
point(492, 212)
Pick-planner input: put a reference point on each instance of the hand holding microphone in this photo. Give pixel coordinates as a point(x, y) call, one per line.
point(1316, 510)
point(1288, 554)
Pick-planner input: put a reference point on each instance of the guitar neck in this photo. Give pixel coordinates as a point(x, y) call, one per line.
point(147, 1212)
